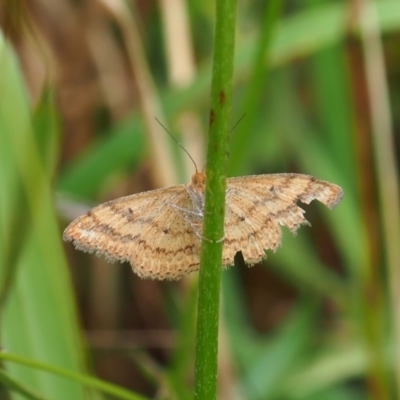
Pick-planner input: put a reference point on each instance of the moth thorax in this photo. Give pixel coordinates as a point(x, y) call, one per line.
point(198, 181)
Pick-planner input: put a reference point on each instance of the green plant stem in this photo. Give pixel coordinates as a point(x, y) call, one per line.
point(109, 388)
point(214, 208)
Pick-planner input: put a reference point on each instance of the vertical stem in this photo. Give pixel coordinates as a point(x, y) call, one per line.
point(387, 183)
point(214, 208)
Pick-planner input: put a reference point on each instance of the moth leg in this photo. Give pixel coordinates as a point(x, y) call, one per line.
point(187, 216)
point(186, 211)
point(197, 200)
point(220, 240)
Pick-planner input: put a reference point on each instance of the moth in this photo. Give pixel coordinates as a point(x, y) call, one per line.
point(159, 232)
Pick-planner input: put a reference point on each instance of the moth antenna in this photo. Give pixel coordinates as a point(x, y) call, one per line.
point(237, 123)
point(177, 142)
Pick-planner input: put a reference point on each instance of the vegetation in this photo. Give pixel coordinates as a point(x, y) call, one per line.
point(80, 87)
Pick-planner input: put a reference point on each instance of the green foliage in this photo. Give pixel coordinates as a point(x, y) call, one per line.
point(38, 309)
point(328, 331)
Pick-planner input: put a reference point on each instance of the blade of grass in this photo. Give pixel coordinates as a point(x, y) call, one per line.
point(45, 123)
point(276, 358)
point(89, 381)
point(39, 317)
point(255, 87)
point(316, 278)
point(183, 352)
point(334, 365)
point(244, 342)
point(330, 85)
point(214, 208)
point(14, 386)
point(122, 146)
point(387, 171)
point(162, 166)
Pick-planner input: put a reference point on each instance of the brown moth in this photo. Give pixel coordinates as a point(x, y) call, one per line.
point(159, 232)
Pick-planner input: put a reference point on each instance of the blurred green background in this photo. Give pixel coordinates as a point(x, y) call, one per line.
point(80, 85)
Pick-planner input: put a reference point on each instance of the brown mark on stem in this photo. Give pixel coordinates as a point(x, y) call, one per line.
point(212, 117)
point(221, 97)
